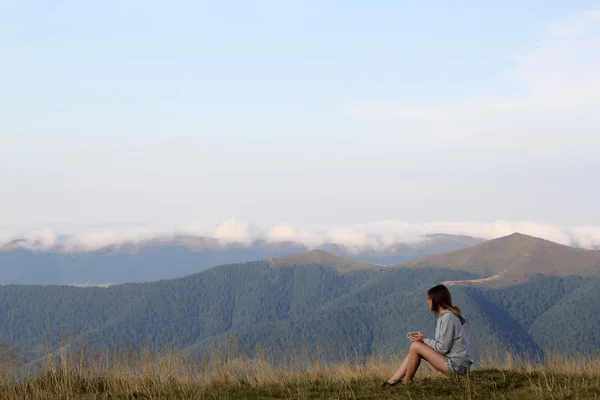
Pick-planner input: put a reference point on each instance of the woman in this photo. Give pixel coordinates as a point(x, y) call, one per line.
point(449, 352)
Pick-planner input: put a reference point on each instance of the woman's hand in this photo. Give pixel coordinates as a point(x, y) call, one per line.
point(417, 337)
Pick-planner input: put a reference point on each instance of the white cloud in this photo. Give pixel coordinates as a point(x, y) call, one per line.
point(5, 237)
point(45, 238)
point(93, 240)
point(555, 111)
point(288, 233)
point(237, 231)
point(378, 234)
point(565, 60)
point(355, 238)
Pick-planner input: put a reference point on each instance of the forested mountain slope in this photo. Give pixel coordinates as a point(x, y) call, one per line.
point(315, 302)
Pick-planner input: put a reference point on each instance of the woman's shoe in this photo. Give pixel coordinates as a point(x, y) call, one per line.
point(387, 385)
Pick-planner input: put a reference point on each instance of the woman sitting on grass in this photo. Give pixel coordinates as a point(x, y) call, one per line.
point(449, 352)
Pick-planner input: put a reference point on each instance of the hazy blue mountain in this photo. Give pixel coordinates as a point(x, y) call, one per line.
point(157, 259)
point(29, 267)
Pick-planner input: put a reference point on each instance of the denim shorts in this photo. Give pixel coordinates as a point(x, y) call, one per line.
point(457, 366)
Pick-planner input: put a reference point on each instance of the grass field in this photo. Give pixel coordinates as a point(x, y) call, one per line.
point(173, 375)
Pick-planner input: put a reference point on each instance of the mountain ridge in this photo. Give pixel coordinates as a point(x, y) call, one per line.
point(514, 258)
point(324, 258)
point(164, 258)
point(509, 259)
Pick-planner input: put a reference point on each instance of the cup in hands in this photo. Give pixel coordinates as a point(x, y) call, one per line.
point(414, 336)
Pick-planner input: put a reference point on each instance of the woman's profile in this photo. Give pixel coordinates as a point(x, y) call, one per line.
point(449, 352)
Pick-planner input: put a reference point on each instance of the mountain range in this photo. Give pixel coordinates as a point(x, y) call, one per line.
point(22, 262)
point(544, 300)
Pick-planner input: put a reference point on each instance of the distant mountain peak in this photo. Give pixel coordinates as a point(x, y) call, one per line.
point(515, 258)
point(518, 236)
point(520, 240)
point(324, 258)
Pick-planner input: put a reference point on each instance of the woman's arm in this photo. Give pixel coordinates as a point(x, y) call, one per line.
point(444, 337)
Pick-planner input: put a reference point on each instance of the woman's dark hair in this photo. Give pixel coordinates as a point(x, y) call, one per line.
point(441, 298)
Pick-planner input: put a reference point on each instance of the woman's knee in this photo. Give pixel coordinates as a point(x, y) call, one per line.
point(415, 346)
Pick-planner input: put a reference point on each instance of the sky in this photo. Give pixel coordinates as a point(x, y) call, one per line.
point(281, 119)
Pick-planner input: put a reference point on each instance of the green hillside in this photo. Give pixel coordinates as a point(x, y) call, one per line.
point(185, 311)
point(316, 303)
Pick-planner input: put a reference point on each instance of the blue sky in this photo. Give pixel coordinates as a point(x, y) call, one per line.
point(303, 113)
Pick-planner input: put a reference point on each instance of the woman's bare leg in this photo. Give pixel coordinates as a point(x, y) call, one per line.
point(420, 350)
point(400, 373)
point(413, 360)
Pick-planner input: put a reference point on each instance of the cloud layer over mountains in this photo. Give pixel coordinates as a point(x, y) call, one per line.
point(355, 237)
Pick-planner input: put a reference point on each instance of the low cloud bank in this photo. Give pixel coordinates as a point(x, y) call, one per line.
point(358, 237)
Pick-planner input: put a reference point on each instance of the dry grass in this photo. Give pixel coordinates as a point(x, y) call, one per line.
point(226, 375)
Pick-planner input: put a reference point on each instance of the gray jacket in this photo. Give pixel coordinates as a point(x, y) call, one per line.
point(450, 337)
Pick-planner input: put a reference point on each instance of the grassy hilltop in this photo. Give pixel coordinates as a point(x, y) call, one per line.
point(175, 375)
